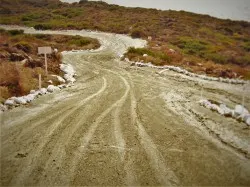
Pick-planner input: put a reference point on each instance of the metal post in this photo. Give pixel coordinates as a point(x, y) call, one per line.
point(46, 64)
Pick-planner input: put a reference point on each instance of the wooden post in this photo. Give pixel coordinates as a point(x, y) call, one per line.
point(46, 64)
point(40, 81)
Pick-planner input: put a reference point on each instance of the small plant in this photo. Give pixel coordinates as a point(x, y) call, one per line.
point(246, 46)
point(138, 33)
point(42, 27)
point(24, 46)
point(15, 32)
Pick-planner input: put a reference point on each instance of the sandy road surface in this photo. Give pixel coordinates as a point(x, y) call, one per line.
point(120, 125)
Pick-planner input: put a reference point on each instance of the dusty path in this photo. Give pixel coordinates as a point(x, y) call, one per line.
point(124, 126)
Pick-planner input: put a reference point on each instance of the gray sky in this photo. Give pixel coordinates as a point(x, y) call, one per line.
point(232, 9)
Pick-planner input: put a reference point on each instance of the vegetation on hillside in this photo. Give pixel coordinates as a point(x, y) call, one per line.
point(20, 65)
point(204, 42)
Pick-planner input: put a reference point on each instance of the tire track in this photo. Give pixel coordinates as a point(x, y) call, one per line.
point(163, 174)
point(87, 138)
point(66, 137)
point(117, 124)
point(23, 175)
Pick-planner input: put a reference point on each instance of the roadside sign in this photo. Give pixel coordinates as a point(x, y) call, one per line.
point(45, 51)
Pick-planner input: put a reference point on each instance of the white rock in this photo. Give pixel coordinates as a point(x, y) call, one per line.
point(240, 111)
point(172, 50)
point(60, 79)
point(127, 60)
point(50, 81)
point(9, 102)
point(145, 55)
point(56, 50)
point(20, 100)
point(68, 69)
point(32, 91)
point(52, 88)
point(43, 91)
point(215, 107)
point(29, 97)
point(69, 78)
point(37, 93)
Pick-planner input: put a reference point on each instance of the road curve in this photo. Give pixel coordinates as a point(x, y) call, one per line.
point(120, 125)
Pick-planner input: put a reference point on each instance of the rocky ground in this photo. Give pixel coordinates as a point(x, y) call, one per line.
point(124, 125)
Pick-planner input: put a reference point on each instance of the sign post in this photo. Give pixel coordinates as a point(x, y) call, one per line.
point(40, 81)
point(45, 51)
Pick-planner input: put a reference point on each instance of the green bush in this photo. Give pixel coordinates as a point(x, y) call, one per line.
point(192, 46)
point(43, 36)
point(42, 27)
point(156, 54)
point(30, 17)
point(246, 46)
point(79, 41)
point(15, 32)
point(216, 58)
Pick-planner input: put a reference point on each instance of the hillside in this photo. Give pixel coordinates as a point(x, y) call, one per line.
point(200, 43)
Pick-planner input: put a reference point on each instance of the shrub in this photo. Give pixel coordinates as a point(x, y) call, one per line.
point(140, 51)
point(15, 32)
point(42, 27)
point(192, 46)
point(43, 36)
point(138, 33)
point(4, 93)
point(246, 46)
point(34, 63)
point(159, 56)
point(79, 41)
point(2, 30)
point(24, 46)
point(216, 58)
point(26, 80)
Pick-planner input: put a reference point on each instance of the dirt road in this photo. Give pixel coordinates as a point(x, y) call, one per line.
point(120, 125)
